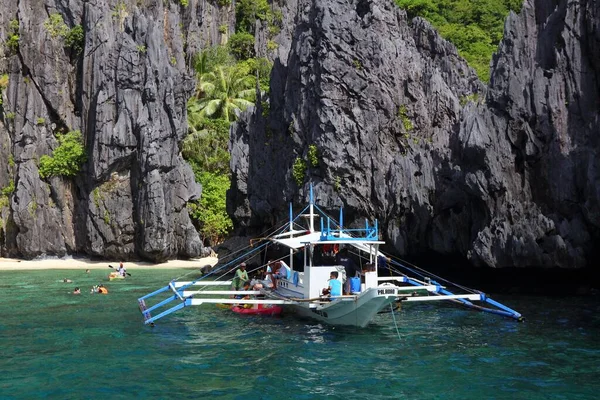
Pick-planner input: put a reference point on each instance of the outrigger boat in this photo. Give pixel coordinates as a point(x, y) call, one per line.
point(382, 284)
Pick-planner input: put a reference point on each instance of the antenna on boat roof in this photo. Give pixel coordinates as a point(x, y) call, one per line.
point(341, 219)
point(311, 212)
point(291, 217)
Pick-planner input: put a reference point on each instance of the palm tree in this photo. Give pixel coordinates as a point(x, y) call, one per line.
point(225, 91)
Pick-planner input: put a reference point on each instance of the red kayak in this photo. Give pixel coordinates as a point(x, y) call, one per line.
point(263, 310)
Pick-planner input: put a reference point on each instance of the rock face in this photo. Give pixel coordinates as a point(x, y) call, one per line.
point(404, 131)
point(378, 112)
point(126, 91)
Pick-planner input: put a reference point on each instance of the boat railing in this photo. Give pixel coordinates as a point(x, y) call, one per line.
point(369, 232)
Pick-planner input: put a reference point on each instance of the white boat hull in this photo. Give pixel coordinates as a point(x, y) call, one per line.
point(356, 310)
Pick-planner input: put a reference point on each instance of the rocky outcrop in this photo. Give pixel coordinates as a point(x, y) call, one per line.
point(126, 91)
point(405, 132)
point(541, 178)
point(504, 174)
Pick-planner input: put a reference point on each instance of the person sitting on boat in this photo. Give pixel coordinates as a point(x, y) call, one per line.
point(335, 286)
point(282, 271)
point(343, 258)
point(267, 282)
point(245, 287)
point(122, 271)
point(241, 277)
point(256, 284)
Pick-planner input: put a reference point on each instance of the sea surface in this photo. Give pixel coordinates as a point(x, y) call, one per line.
point(57, 345)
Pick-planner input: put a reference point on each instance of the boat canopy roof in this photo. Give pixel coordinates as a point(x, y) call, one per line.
point(319, 238)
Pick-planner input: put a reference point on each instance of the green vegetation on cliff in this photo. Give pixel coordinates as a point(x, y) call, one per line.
point(227, 78)
point(66, 159)
point(475, 27)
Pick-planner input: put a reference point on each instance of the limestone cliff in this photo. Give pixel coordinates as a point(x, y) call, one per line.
point(506, 175)
point(125, 87)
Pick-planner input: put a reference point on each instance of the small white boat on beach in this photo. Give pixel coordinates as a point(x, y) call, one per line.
point(379, 281)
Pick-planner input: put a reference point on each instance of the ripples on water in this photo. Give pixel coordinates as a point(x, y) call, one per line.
point(62, 346)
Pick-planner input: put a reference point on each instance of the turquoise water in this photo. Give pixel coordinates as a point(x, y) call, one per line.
point(61, 346)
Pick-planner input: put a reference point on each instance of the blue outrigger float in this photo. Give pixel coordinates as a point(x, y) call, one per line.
point(380, 283)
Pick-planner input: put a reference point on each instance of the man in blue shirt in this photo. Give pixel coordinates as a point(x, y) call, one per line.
point(335, 286)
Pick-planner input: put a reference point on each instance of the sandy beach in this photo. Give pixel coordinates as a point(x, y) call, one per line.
point(9, 264)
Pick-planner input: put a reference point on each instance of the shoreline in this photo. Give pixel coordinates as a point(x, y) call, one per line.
point(13, 264)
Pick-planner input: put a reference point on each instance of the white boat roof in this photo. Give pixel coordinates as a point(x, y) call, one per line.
point(315, 238)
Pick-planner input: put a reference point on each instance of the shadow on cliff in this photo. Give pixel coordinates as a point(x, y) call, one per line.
point(512, 280)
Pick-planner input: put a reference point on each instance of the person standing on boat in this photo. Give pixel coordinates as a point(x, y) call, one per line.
point(343, 258)
point(241, 277)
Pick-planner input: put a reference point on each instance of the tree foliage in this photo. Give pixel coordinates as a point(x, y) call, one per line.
point(226, 85)
point(241, 45)
point(474, 26)
point(55, 25)
point(206, 146)
point(12, 37)
point(66, 159)
point(248, 11)
point(205, 149)
point(226, 91)
point(260, 68)
point(207, 60)
point(210, 212)
point(75, 39)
